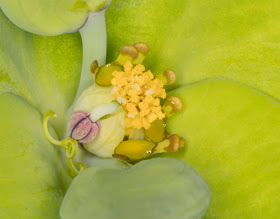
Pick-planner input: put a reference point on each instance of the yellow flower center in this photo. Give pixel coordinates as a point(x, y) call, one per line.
point(138, 91)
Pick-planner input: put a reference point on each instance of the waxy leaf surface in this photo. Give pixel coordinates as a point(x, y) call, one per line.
point(52, 17)
point(44, 70)
point(158, 188)
point(33, 179)
point(237, 40)
point(232, 135)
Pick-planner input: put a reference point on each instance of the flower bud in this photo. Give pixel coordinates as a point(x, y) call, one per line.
point(82, 128)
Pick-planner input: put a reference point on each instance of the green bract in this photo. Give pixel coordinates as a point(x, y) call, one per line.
point(44, 70)
point(51, 17)
point(237, 40)
point(158, 188)
point(233, 141)
point(33, 180)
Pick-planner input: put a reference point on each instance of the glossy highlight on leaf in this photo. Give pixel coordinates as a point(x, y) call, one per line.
point(157, 188)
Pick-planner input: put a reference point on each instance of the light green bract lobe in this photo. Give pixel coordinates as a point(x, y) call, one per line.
point(51, 17)
point(236, 40)
point(157, 188)
point(33, 179)
point(43, 70)
point(232, 135)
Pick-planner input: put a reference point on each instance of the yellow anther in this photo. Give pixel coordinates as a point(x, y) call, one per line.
point(138, 92)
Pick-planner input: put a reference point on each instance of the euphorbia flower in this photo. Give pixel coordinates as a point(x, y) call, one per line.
point(231, 124)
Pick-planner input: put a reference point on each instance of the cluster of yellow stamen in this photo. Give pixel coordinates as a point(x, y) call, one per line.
point(138, 91)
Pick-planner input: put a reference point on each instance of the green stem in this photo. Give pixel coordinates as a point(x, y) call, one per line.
point(94, 48)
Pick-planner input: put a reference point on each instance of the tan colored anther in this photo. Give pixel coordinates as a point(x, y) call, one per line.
point(127, 54)
point(94, 67)
point(182, 142)
point(129, 51)
point(143, 50)
point(170, 145)
point(172, 105)
point(168, 77)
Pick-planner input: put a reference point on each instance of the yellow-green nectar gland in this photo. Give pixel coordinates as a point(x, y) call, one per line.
point(69, 144)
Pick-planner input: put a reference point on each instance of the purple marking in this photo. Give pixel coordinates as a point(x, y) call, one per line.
point(82, 128)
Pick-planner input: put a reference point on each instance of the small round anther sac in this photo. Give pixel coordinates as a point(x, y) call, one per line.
point(170, 76)
point(142, 48)
point(129, 51)
point(94, 67)
point(174, 144)
point(172, 105)
point(182, 142)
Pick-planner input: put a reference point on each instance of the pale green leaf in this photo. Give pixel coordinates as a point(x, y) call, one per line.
point(52, 17)
point(232, 135)
point(33, 179)
point(237, 40)
point(158, 188)
point(44, 70)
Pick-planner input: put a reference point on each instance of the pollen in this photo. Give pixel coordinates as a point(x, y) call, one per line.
point(138, 91)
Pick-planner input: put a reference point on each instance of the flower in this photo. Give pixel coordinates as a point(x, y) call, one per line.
point(231, 121)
